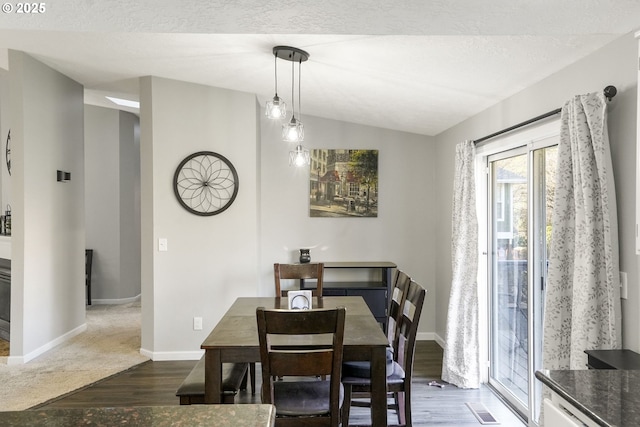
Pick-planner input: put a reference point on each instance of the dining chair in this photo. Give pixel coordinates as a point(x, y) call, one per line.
point(400, 285)
point(88, 262)
point(299, 271)
point(357, 382)
point(300, 397)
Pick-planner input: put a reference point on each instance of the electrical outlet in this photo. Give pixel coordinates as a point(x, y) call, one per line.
point(197, 323)
point(623, 285)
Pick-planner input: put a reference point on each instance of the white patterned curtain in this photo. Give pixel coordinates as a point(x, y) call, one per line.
point(582, 304)
point(460, 365)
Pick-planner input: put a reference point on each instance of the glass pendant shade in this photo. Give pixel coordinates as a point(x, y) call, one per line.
point(299, 157)
point(276, 108)
point(293, 131)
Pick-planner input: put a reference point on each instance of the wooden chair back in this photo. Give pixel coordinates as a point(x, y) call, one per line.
point(407, 331)
point(398, 295)
point(299, 271)
point(304, 356)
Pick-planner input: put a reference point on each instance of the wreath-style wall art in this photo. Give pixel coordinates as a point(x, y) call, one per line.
point(7, 151)
point(205, 183)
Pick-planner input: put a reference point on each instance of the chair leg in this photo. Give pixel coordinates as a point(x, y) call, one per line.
point(346, 405)
point(252, 372)
point(243, 383)
point(407, 406)
point(399, 397)
point(403, 406)
point(399, 407)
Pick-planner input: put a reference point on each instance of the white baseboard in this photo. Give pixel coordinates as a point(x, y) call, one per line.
point(20, 360)
point(430, 336)
point(162, 356)
point(115, 301)
point(440, 341)
point(425, 336)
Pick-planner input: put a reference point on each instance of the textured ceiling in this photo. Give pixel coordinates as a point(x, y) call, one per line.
point(410, 65)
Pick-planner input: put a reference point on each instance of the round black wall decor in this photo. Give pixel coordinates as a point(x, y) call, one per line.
point(205, 183)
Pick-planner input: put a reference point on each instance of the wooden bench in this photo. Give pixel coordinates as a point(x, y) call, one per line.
point(234, 378)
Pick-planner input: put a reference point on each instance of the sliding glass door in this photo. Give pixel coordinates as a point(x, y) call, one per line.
point(521, 184)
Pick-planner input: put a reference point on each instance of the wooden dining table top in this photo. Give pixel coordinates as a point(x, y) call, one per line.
point(238, 327)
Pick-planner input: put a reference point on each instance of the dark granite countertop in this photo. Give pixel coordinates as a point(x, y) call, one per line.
point(245, 415)
point(609, 397)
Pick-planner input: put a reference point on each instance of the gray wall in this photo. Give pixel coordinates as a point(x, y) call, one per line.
point(112, 158)
point(403, 231)
point(46, 119)
point(129, 206)
point(210, 260)
point(615, 64)
point(213, 260)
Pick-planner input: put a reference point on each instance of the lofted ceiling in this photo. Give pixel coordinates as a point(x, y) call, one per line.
point(409, 65)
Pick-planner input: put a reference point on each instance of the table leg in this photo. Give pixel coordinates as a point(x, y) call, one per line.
point(212, 376)
point(378, 387)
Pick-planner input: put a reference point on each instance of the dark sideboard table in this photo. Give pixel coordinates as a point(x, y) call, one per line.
point(375, 289)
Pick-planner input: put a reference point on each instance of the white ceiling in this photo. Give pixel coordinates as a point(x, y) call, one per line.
point(409, 65)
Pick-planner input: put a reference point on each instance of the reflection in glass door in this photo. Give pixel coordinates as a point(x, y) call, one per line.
point(521, 202)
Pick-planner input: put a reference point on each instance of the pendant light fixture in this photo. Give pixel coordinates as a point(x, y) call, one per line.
point(293, 129)
point(276, 108)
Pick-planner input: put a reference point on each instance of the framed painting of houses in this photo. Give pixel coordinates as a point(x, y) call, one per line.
point(343, 183)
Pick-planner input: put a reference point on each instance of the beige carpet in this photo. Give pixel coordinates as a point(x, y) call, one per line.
point(4, 347)
point(110, 344)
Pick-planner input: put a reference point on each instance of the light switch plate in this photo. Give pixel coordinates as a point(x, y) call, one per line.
point(197, 323)
point(162, 244)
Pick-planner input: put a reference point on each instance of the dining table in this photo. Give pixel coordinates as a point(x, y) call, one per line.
point(235, 339)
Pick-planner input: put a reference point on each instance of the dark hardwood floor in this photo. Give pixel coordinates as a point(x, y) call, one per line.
point(155, 383)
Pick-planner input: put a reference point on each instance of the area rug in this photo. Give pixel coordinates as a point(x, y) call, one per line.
point(111, 344)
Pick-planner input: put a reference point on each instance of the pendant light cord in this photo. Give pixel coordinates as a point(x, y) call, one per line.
point(275, 67)
point(293, 83)
point(299, 86)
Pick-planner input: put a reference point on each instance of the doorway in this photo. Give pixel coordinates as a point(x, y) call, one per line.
point(520, 184)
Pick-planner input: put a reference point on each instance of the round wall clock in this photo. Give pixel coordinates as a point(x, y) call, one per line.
point(7, 151)
point(205, 183)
